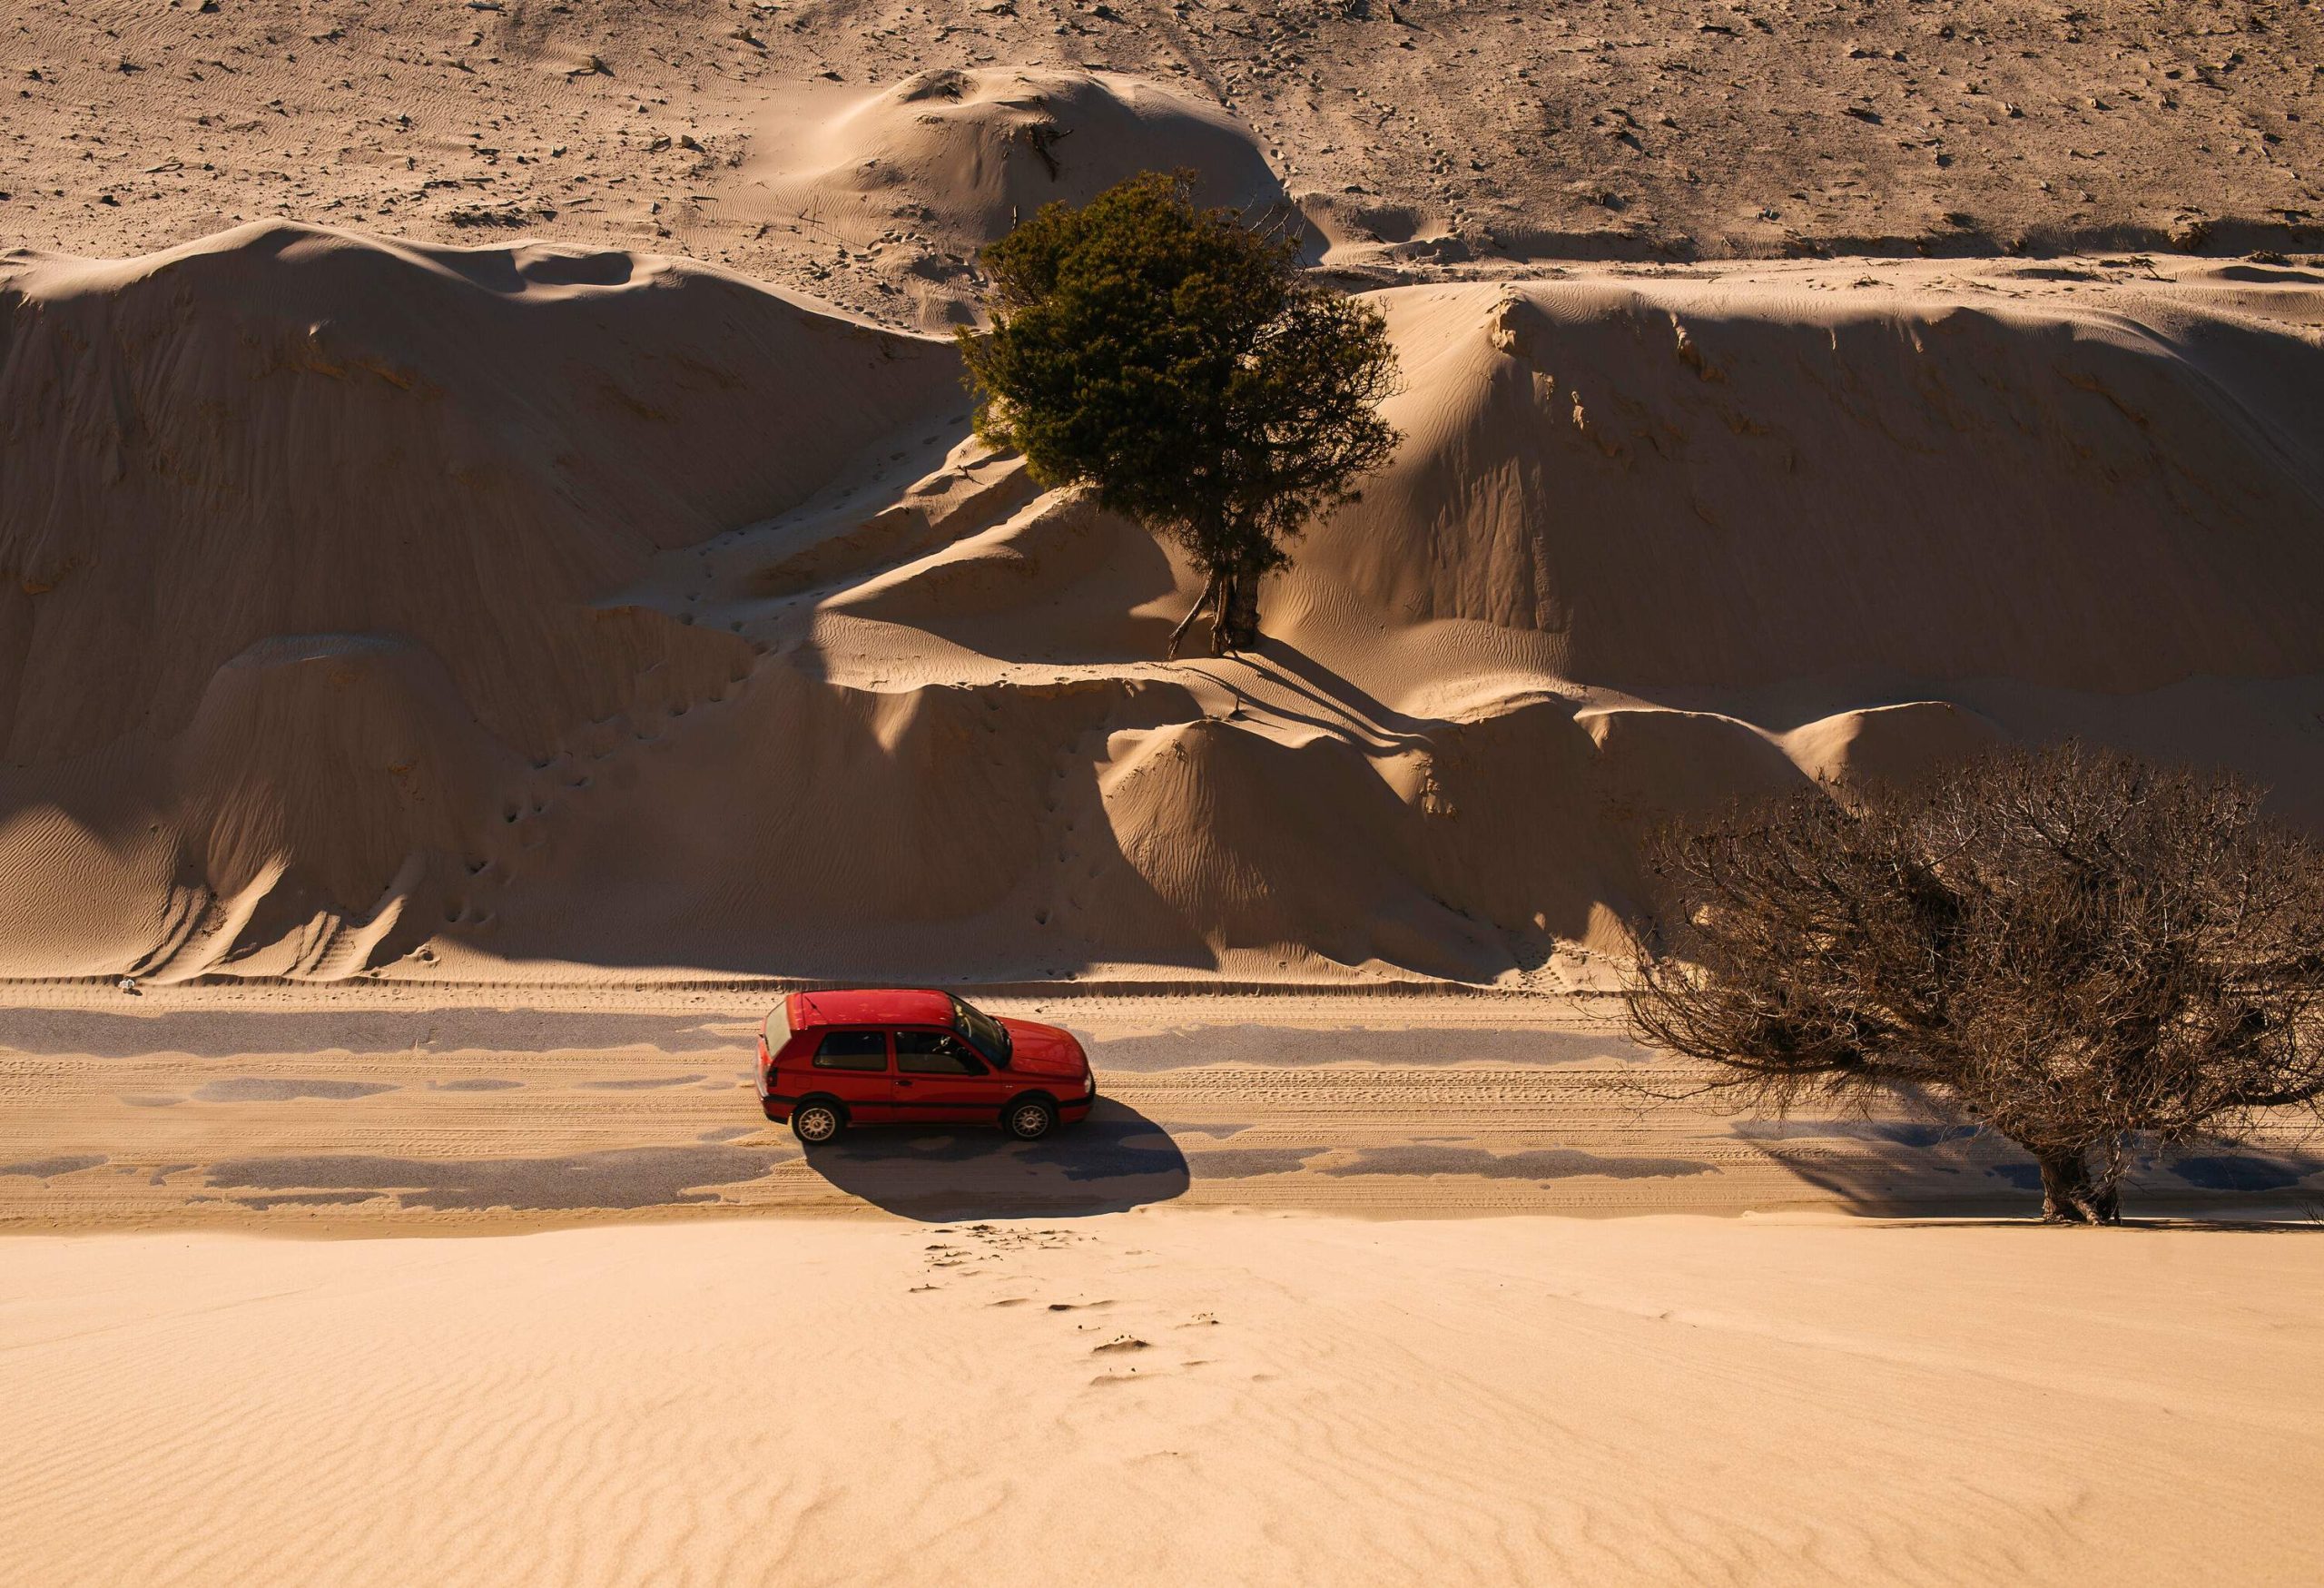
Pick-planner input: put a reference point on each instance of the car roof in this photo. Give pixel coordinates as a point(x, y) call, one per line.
point(872, 1006)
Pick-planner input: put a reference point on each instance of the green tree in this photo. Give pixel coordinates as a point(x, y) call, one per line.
point(1179, 363)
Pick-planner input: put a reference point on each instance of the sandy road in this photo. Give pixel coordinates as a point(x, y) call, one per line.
point(407, 1111)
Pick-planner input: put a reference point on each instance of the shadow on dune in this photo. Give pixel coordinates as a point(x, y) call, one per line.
point(1116, 1160)
point(1294, 669)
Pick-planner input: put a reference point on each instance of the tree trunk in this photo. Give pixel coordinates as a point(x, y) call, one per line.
point(2071, 1194)
point(1210, 592)
point(1238, 628)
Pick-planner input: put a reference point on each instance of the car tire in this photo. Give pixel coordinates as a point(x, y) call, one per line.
point(1029, 1119)
point(818, 1122)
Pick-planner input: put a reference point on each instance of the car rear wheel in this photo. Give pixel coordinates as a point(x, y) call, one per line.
point(816, 1122)
point(1029, 1119)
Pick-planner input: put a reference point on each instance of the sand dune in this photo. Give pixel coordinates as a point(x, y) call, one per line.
point(266, 433)
point(377, 608)
point(1733, 484)
point(928, 169)
point(1150, 1398)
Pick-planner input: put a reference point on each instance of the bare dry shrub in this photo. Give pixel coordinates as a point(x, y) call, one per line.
point(2080, 949)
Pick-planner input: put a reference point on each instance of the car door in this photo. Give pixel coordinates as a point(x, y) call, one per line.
point(942, 1079)
point(852, 1066)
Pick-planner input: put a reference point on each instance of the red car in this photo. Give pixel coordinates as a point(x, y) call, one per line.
point(829, 1060)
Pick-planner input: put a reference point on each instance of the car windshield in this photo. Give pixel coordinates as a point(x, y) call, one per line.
point(990, 1036)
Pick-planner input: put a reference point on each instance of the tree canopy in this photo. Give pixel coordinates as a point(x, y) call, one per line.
point(2084, 952)
point(1179, 363)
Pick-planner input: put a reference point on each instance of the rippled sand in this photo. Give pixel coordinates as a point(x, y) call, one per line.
point(1166, 1397)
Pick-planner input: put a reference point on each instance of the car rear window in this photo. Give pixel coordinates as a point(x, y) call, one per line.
point(853, 1051)
point(777, 1029)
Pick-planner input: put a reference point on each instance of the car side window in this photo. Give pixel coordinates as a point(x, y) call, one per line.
point(853, 1051)
point(935, 1053)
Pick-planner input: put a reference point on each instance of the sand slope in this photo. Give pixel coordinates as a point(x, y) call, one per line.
point(1161, 1399)
point(308, 540)
point(284, 429)
point(373, 607)
point(1732, 484)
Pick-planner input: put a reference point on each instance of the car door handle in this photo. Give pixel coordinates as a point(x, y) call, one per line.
point(903, 1083)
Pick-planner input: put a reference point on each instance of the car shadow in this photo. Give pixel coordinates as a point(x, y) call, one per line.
point(1116, 1160)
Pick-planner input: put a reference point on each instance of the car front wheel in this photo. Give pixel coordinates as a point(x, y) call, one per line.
point(1029, 1119)
point(815, 1123)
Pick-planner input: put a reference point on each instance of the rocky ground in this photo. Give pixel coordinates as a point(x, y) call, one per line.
point(1436, 132)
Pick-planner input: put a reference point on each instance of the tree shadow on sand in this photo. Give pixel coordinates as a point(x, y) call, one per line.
point(1891, 1171)
point(1116, 1160)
